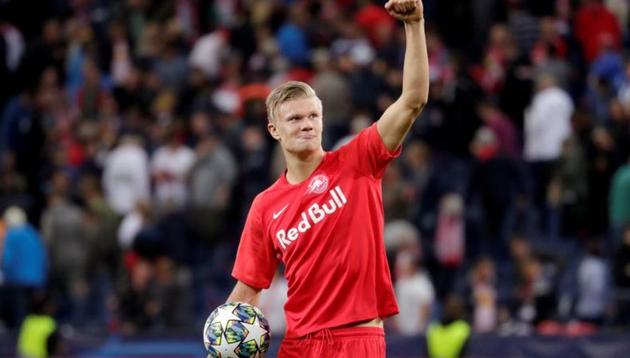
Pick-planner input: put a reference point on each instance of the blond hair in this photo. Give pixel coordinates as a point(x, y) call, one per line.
point(285, 92)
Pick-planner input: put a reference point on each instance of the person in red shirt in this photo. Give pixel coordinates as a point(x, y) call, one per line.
point(323, 219)
point(594, 23)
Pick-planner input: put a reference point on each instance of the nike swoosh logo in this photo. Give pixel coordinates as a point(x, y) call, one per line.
point(278, 213)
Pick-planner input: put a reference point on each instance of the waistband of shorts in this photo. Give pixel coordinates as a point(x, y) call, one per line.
point(339, 332)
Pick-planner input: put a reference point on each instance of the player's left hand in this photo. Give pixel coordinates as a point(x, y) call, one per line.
point(405, 10)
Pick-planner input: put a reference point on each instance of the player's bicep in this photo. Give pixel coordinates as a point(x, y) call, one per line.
point(395, 123)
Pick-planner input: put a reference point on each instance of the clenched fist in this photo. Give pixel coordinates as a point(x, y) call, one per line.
point(405, 10)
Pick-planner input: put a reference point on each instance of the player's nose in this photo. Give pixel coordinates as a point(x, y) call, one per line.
point(306, 125)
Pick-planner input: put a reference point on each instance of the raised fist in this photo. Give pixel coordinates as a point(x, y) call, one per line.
point(405, 10)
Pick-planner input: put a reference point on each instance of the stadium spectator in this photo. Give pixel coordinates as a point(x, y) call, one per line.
point(335, 96)
point(502, 127)
point(606, 76)
point(414, 292)
point(495, 184)
point(132, 223)
point(450, 336)
point(449, 241)
point(593, 21)
point(211, 181)
point(523, 25)
point(171, 66)
point(169, 295)
point(535, 295)
point(621, 278)
point(593, 292)
point(484, 295)
point(138, 306)
point(291, 36)
point(13, 48)
point(100, 225)
point(40, 335)
point(170, 167)
point(24, 266)
point(63, 232)
point(395, 193)
point(570, 180)
point(620, 199)
point(126, 175)
point(547, 125)
point(603, 159)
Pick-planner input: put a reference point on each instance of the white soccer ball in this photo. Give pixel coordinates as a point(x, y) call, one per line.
point(236, 330)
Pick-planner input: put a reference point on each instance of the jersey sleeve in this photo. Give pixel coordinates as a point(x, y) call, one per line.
point(368, 153)
point(256, 260)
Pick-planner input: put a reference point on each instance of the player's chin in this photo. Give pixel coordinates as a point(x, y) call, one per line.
point(304, 147)
point(309, 143)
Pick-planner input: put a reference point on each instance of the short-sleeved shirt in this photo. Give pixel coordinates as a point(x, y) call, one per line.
point(328, 233)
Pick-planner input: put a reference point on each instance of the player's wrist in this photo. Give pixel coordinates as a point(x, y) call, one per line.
point(419, 21)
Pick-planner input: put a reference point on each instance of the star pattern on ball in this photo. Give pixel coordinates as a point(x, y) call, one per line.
point(226, 314)
point(255, 331)
point(228, 350)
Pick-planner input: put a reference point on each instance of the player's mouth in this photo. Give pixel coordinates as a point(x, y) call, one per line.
point(307, 136)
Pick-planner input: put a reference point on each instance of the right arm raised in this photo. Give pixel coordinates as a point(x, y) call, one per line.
point(242, 292)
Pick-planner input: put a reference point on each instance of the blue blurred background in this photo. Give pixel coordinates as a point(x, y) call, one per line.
point(133, 140)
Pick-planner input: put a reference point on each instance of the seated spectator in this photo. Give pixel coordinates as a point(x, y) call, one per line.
point(484, 295)
point(592, 290)
point(535, 293)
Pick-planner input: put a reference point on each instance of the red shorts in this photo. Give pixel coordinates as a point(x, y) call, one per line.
point(351, 342)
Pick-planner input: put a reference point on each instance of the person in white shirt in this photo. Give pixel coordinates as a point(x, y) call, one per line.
point(126, 175)
point(415, 295)
point(592, 285)
point(547, 121)
point(170, 166)
point(547, 126)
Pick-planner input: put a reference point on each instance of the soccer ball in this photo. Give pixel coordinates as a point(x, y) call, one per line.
point(236, 330)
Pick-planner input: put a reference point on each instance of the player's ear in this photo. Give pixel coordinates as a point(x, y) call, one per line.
point(271, 127)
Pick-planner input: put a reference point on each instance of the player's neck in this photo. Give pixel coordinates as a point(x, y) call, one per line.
point(301, 167)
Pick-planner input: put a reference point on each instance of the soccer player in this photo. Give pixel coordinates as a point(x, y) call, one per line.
point(323, 219)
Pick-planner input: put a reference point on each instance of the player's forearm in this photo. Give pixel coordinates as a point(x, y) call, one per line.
point(244, 293)
point(415, 87)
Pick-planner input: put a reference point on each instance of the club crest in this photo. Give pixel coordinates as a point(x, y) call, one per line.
point(318, 184)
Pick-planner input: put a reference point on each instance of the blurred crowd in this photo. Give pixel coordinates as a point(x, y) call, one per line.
point(133, 140)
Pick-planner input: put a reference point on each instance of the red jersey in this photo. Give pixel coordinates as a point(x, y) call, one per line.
point(328, 232)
